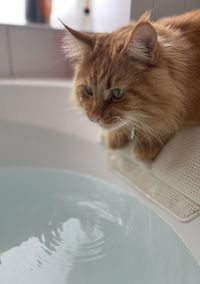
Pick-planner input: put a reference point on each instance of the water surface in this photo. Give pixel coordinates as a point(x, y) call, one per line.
point(59, 227)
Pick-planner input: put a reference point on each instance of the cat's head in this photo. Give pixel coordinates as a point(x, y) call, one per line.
point(119, 77)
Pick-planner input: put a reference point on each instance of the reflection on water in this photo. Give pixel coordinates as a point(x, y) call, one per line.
point(53, 260)
point(62, 228)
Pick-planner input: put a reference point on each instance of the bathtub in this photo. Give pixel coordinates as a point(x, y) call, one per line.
point(39, 129)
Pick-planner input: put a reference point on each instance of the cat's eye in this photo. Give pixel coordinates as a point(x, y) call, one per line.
point(89, 91)
point(117, 93)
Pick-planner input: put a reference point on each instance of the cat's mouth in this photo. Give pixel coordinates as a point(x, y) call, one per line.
point(106, 126)
point(111, 126)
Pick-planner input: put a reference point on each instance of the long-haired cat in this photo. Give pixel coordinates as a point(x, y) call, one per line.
point(144, 77)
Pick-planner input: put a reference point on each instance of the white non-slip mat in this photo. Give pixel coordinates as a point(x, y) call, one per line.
point(172, 180)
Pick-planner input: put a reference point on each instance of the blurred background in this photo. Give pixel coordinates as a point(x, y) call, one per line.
point(89, 15)
point(31, 34)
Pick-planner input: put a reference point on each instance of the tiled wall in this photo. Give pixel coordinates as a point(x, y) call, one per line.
point(35, 51)
point(32, 52)
point(162, 8)
point(5, 66)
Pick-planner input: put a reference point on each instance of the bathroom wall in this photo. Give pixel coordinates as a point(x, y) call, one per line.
point(105, 15)
point(110, 14)
point(32, 51)
point(5, 66)
point(35, 50)
point(162, 8)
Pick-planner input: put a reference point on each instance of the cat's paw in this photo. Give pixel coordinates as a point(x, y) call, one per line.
point(146, 153)
point(115, 140)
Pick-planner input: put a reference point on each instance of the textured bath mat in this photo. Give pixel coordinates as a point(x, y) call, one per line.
point(172, 180)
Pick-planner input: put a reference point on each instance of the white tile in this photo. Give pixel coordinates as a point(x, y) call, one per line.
point(36, 52)
point(139, 7)
point(5, 68)
point(192, 4)
point(165, 8)
point(109, 15)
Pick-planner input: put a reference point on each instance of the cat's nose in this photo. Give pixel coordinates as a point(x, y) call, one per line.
point(95, 117)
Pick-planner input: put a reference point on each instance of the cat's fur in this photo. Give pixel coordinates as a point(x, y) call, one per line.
point(157, 63)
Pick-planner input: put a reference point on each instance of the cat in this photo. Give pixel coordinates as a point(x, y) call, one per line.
point(143, 77)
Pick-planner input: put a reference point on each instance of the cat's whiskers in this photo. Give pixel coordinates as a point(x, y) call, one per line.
point(139, 127)
point(149, 133)
point(116, 125)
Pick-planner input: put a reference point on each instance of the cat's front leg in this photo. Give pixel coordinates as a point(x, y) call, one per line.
point(146, 150)
point(116, 139)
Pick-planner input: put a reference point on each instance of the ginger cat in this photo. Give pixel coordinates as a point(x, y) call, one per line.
point(144, 77)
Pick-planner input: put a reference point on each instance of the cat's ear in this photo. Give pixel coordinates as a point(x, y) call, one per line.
point(146, 17)
point(75, 43)
point(143, 43)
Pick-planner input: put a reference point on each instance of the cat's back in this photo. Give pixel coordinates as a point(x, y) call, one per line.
point(188, 24)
